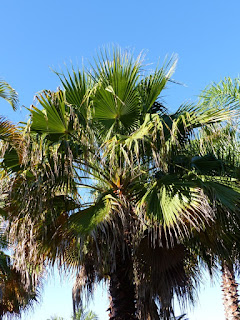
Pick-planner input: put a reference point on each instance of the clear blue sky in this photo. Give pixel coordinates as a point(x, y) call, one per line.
point(37, 35)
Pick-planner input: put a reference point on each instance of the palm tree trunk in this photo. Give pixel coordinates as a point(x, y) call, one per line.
point(230, 294)
point(122, 290)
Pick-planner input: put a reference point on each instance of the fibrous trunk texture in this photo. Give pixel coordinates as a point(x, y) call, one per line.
point(230, 294)
point(122, 290)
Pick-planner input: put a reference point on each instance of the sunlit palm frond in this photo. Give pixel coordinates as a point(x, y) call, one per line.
point(116, 99)
point(85, 220)
point(9, 94)
point(183, 124)
point(151, 86)
point(77, 85)
point(53, 119)
point(82, 314)
point(177, 204)
point(11, 137)
point(225, 94)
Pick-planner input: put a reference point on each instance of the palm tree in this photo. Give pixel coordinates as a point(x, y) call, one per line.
point(14, 296)
point(219, 248)
point(227, 92)
point(82, 314)
point(85, 315)
point(107, 131)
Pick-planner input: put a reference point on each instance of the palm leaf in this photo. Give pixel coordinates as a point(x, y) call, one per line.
point(226, 94)
point(116, 98)
point(76, 87)
point(52, 120)
point(9, 94)
point(151, 86)
point(87, 219)
point(11, 160)
point(225, 191)
point(8, 132)
point(189, 117)
point(173, 202)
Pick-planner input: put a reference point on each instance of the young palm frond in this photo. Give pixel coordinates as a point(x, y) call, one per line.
point(53, 119)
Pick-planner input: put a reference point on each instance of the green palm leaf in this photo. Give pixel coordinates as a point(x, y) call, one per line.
point(116, 99)
point(53, 119)
point(85, 220)
point(225, 191)
point(181, 125)
point(226, 93)
point(173, 202)
point(151, 86)
point(9, 94)
point(77, 87)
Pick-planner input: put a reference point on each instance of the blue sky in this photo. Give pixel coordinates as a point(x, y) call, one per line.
point(39, 35)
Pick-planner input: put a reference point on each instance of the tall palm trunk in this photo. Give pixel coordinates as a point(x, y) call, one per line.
point(230, 294)
point(122, 290)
